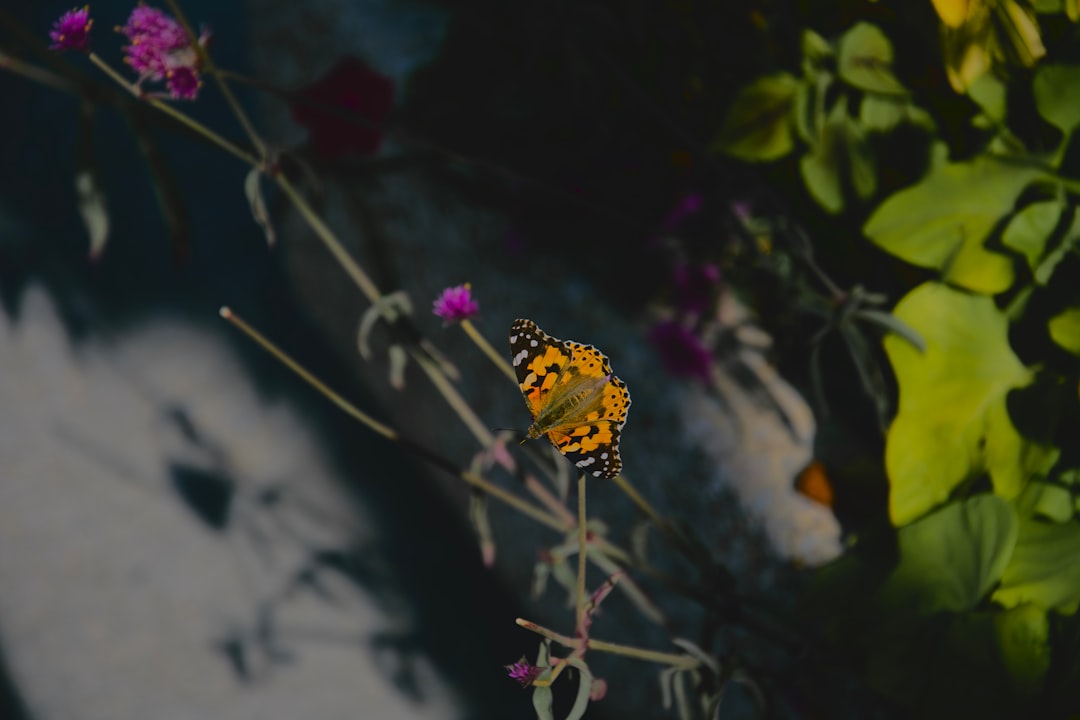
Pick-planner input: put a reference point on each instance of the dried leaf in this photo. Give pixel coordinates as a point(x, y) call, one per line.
point(257, 203)
point(89, 195)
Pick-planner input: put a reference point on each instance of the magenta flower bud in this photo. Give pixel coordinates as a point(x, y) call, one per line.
point(72, 30)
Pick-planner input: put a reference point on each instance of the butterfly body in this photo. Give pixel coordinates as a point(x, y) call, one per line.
point(575, 400)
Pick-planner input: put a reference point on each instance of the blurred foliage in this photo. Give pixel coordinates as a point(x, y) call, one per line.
point(967, 603)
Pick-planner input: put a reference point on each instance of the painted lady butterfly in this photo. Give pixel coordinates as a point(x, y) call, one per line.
point(573, 397)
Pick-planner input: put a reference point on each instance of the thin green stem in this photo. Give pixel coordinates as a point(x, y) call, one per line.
point(386, 431)
point(656, 656)
point(485, 347)
point(552, 503)
point(457, 403)
point(513, 501)
point(36, 73)
point(208, 65)
point(175, 114)
point(638, 499)
point(583, 559)
point(329, 239)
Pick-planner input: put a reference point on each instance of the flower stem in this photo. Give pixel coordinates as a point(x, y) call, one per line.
point(656, 656)
point(583, 559)
point(385, 430)
point(329, 239)
point(485, 347)
point(33, 72)
point(208, 65)
point(519, 504)
point(479, 430)
point(175, 114)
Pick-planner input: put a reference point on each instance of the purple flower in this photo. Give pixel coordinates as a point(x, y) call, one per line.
point(72, 30)
point(456, 303)
point(695, 286)
point(159, 50)
point(681, 351)
point(689, 205)
point(523, 671)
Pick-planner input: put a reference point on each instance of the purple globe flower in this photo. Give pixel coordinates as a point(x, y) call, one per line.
point(456, 304)
point(523, 671)
point(681, 351)
point(159, 50)
point(72, 30)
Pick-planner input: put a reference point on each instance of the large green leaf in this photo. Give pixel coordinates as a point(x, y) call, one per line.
point(951, 558)
point(1045, 567)
point(1023, 635)
point(943, 221)
point(1057, 95)
point(952, 423)
point(759, 124)
point(864, 59)
point(1031, 228)
point(1065, 330)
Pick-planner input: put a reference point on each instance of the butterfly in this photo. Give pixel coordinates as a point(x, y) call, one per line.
point(573, 397)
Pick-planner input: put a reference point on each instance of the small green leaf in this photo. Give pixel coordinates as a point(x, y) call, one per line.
point(951, 558)
point(257, 203)
point(1031, 228)
point(1023, 637)
point(890, 323)
point(864, 60)
point(542, 699)
point(881, 114)
point(585, 681)
point(841, 148)
point(952, 423)
point(758, 126)
point(1065, 330)
point(1052, 502)
point(816, 53)
point(943, 221)
point(988, 92)
point(1056, 98)
point(1045, 567)
point(90, 197)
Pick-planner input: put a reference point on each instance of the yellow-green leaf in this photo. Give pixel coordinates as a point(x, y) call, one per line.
point(1055, 88)
point(1045, 567)
point(1065, 330)
point(951, 558)
point(1023, 638)
point(864, 59)
point(943, 221)
point(759, 124)
point(841, 152)
point(952, 418)
point(1031, 228)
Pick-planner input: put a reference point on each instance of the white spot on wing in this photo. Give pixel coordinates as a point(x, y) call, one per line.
point(520, 356)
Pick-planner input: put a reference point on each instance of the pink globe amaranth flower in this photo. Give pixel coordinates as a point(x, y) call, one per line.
point(455, 304)
point(183, 83)
point(72, 30)
point(681, 351)
point(159, 50)
point(523, 671)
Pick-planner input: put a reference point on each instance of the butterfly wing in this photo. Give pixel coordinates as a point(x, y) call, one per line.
point(539, 361)
point(573, 397)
